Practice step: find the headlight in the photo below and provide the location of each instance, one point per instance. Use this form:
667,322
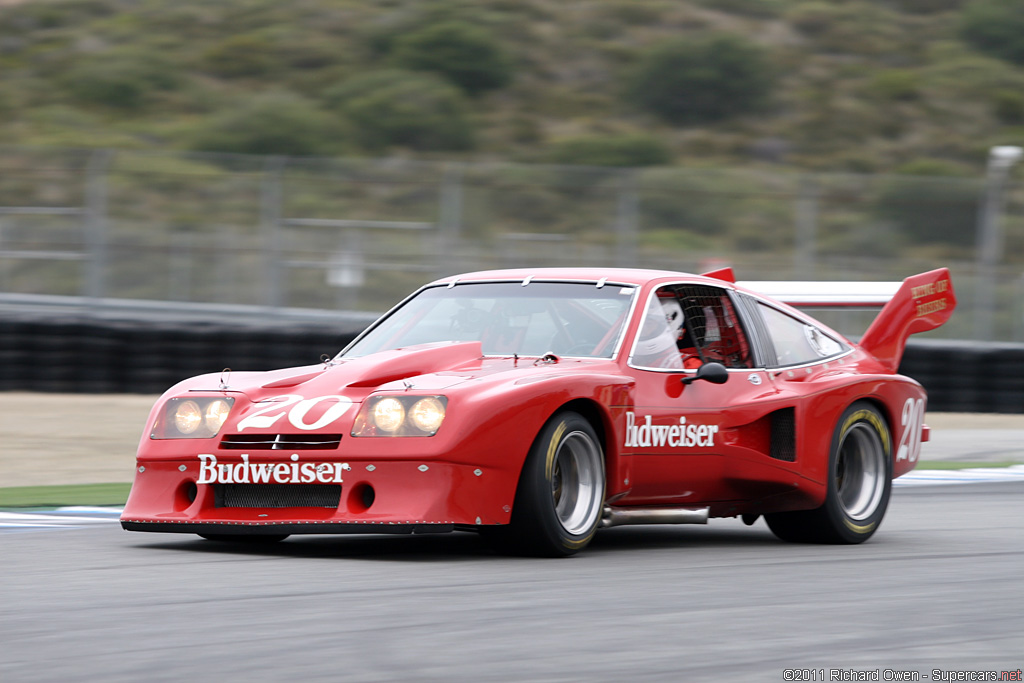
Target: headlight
215,414
427,414
192,418
400,416
388,414
187,417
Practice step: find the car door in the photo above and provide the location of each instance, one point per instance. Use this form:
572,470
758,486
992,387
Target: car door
688,443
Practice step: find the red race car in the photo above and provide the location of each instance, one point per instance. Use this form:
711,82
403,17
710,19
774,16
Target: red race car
537,406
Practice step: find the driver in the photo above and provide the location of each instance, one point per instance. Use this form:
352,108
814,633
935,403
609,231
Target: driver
663,327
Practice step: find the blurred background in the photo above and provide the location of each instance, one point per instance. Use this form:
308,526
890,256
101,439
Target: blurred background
306,165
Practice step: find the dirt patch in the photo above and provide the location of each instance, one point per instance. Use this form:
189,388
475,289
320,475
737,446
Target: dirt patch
70,438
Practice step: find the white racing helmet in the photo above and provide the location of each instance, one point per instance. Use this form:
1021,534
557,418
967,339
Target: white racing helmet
663,325
673,316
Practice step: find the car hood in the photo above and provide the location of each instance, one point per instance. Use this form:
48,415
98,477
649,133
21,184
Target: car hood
426,368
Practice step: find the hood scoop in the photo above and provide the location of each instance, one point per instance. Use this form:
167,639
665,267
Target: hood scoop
294,380
392,366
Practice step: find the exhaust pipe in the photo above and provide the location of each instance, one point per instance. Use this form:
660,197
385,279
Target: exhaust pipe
623,516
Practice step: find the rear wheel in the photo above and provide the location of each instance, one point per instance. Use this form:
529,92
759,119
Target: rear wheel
561,491
859,483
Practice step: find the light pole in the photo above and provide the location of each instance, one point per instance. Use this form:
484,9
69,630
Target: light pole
1000,160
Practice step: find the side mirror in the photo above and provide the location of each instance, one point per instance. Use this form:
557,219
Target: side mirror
710,372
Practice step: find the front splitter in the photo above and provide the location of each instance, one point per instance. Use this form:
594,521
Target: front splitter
277,528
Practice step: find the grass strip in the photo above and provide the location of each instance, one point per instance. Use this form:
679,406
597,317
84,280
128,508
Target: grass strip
55,496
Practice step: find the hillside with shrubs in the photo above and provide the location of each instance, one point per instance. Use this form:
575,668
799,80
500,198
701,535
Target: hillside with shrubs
851,86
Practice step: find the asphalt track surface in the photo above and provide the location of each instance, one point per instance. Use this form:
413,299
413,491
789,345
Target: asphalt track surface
940,586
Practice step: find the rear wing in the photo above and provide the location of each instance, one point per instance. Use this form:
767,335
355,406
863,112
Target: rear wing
918,304
826,294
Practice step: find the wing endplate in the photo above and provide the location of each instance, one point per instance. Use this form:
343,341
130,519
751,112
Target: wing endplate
923,302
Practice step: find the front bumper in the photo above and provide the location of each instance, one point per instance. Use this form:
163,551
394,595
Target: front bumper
393,496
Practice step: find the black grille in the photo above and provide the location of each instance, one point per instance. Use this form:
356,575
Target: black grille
280,442
784,435
277,495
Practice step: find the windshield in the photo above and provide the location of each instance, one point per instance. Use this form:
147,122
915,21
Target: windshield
565,318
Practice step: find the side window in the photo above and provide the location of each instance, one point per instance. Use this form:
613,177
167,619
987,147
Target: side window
796,341
686,326
713,326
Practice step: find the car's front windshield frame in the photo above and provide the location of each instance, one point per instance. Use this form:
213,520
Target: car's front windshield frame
592,302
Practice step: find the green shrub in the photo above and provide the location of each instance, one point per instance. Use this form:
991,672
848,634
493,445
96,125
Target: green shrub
958,73
1008,106
303,52
634,12
895,84
705,202
815,18
751,8
273,123
995,27
612,150
931,168
240,56
929,6
467,55
849,28
929,205
50,15
701,81
120,79
400,108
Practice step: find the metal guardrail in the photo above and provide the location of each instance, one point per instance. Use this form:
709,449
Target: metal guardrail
141,312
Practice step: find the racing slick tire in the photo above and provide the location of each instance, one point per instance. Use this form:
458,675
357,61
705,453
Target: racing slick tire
859,482
561,491
256,539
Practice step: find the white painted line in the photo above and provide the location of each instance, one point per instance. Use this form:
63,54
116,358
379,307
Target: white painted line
44,517
972,475
91,510
61,518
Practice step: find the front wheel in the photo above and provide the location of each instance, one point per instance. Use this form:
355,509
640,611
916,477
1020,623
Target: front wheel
561,491
859,483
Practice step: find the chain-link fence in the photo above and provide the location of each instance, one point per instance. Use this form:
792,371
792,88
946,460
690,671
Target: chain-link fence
358,235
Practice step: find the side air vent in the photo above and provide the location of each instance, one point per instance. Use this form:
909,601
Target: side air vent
784,435
280,442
